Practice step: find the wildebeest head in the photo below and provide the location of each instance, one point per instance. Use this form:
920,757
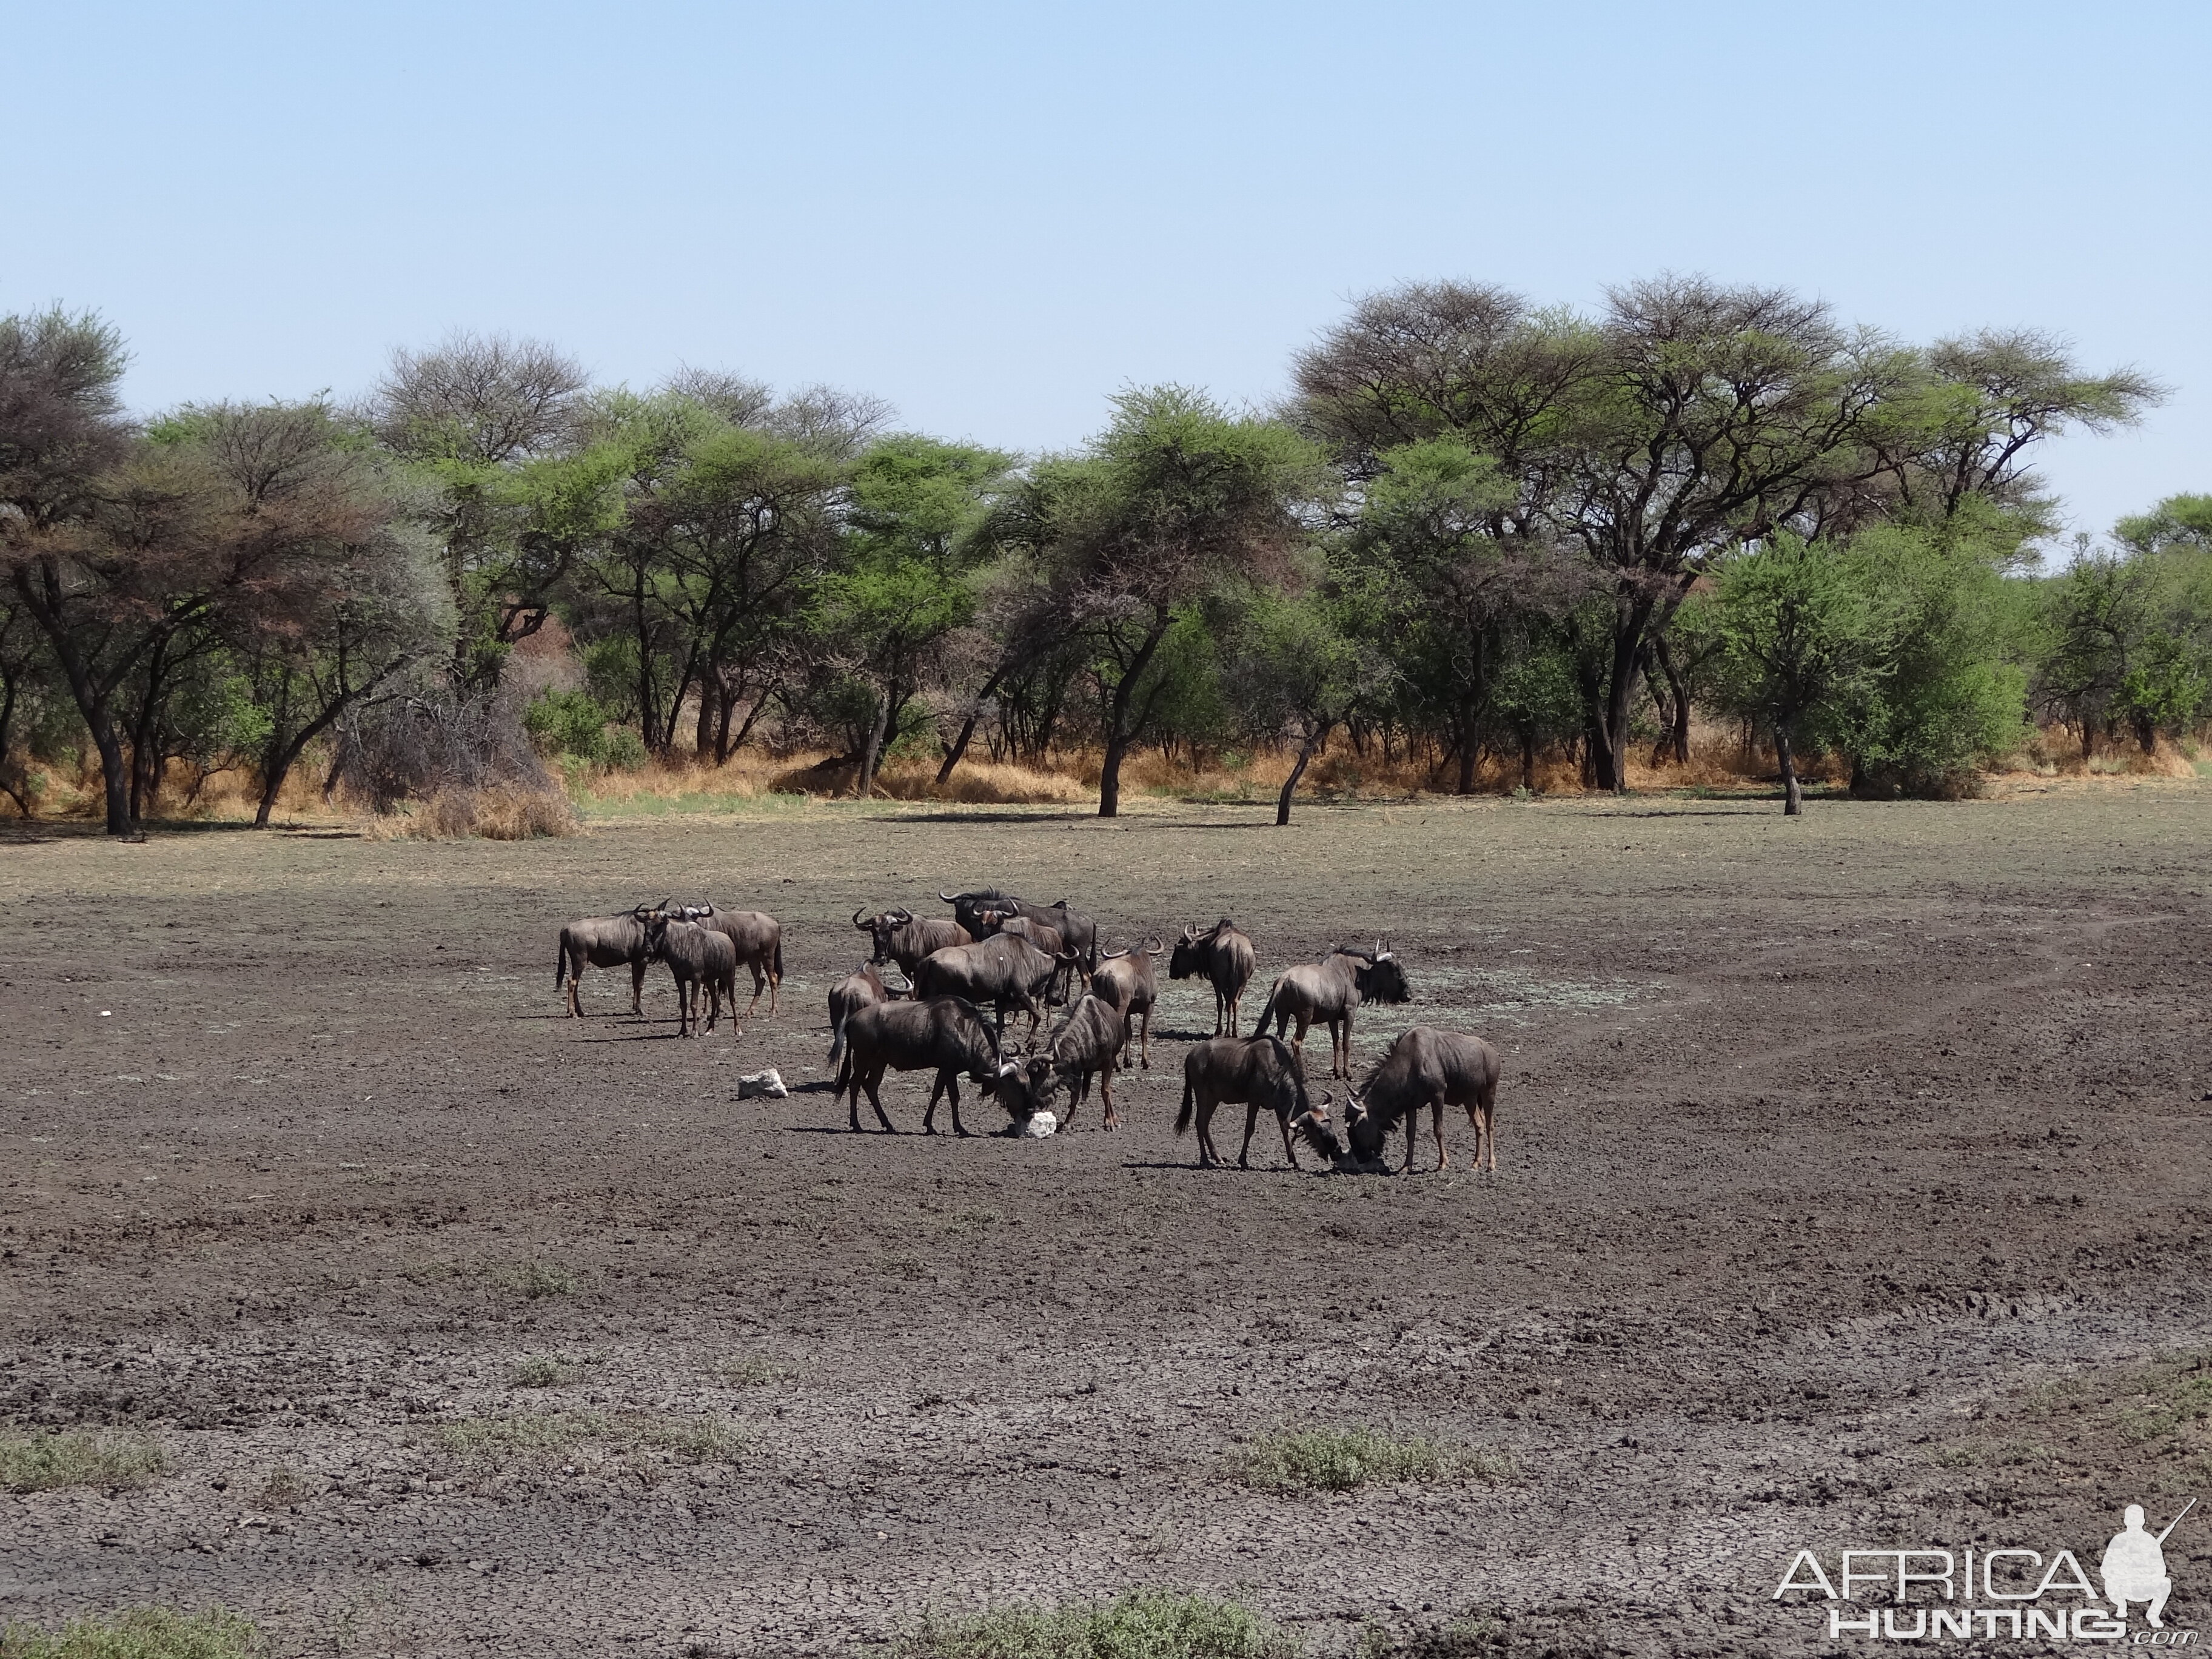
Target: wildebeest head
1312,1126
1021,1083
1365,1130
1189,957
881,927
1381,979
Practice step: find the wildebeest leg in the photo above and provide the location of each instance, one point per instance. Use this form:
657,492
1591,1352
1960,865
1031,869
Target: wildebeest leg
1106,1093
1486,1128
1437,1128
1251,1122
1147,1050
775,987
1207,1157
952,1087
1297,1041
872,1080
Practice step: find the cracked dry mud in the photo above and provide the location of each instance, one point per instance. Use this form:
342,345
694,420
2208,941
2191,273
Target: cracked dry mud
1853,1170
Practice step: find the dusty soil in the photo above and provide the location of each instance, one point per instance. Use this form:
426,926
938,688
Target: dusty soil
1856,1192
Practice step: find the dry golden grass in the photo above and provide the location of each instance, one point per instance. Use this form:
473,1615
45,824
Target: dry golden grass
509,813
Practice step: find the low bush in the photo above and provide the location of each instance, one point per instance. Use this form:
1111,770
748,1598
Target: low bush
141,1633
46,1462
1339,1460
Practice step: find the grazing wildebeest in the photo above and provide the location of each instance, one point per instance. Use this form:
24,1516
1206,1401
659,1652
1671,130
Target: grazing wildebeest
1435,1069
603,942
1077,931
1129,980
757,937
1325,993
864,988
941,1034
1257,1072
1223,954
1082,1047
902,938
1312,1126
1003,970
698,956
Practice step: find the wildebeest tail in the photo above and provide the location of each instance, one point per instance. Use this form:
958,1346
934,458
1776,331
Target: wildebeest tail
1189,1109
560,962
836,1039
845,1076
779,958
1266,1010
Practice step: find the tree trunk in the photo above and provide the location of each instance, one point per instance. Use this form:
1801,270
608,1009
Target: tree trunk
1793,794
1682,695
1117,731
1468,755
44,603
2088,739
1610,734
144,748
968,726
1306,752
8,686
1528,758
865,784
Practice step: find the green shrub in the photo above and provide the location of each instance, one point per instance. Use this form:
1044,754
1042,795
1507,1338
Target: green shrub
42,1463
141,1633
1339,1459
1142,1625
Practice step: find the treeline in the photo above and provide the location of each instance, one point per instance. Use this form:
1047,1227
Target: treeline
1477,533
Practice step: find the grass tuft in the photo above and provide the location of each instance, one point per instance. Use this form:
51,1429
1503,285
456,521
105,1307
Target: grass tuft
544,1370
1339,1460
46,1462
528,1439
1142,1625
141,1633
531,1280
749,1372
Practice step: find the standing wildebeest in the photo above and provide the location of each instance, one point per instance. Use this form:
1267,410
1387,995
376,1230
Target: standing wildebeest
603,942
1223,954
1326,991
1127,979
757,938
1044,936
1255,1072
697,956
1005,968
1077,931
863,988
1082,1047
901,937
941,1034
1435,1069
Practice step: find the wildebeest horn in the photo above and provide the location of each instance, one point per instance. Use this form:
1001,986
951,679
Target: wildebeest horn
953,898
901,915
858,923
1154,945
1189,931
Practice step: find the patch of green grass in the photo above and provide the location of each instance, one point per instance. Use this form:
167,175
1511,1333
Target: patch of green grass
1339,1460
545,1370
1142,1625
43,1462
749,1372
532,1279
526,1438
141,1633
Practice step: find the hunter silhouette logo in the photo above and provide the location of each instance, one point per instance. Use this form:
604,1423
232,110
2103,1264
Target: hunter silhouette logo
1915,1595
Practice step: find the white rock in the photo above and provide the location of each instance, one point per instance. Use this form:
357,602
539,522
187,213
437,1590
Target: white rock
762,1085
1039,1126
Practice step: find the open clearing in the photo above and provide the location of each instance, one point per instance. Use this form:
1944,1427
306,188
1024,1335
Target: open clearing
1856,1190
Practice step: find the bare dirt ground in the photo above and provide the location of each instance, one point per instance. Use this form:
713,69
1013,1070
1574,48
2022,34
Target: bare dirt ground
1856,1191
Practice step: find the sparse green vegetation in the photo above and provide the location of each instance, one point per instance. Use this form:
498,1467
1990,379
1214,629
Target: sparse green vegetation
141,1633
749,1372
545,1370
1339,1460
1142,1625
524,1438
532,1279
42,1463
284,1487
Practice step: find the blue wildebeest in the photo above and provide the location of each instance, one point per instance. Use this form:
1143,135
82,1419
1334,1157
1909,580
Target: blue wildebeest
1003,970
603,942
864,988
1257,1072
1326,991
757,938
902,937
1077,931
698,957
1129,980
1223,954
1432,1069
1082,1047
944,1034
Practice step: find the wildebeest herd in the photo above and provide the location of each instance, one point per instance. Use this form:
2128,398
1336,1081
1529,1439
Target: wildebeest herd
935,994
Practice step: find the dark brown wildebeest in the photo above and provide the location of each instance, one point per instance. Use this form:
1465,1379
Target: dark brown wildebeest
1003,970
1435,1069
941,1034
757,938
603,942
1223,954
1326,991
1044,936
698,956
1257,1072
1129,980
1082,1047
864,988
1312,1126
902,938
1077,931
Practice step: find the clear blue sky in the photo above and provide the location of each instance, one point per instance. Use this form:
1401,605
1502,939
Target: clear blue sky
995,215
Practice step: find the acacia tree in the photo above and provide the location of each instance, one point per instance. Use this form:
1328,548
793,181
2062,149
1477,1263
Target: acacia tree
1295,676
1175,499
900,585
